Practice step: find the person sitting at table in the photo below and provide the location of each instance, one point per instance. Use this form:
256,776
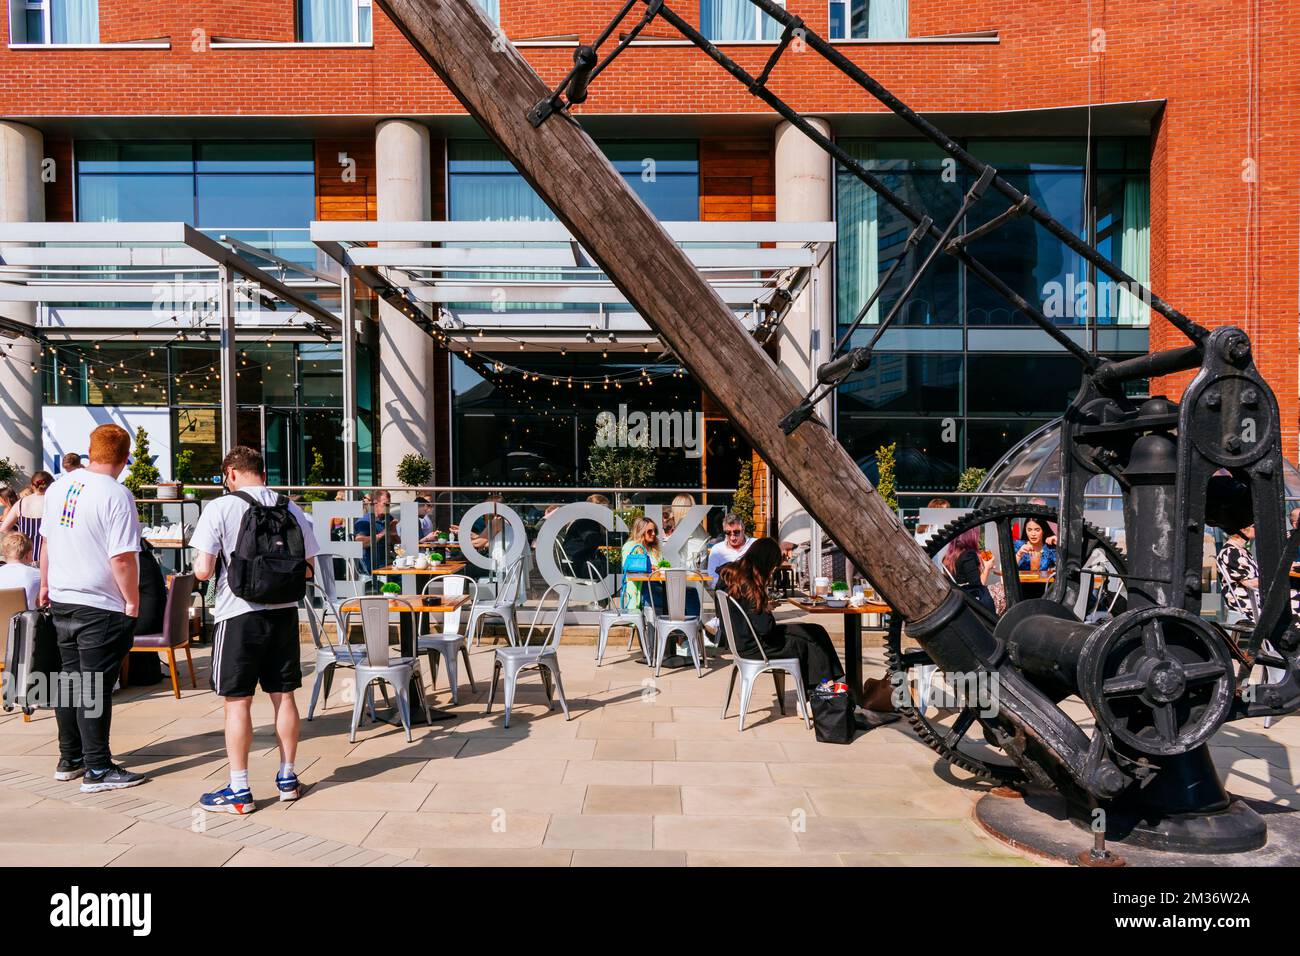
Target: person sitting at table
1034,553
18,570
377,535
746,581
733,545
641,555
967,567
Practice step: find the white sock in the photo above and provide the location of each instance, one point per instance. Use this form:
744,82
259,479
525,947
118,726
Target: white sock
286,769
239,780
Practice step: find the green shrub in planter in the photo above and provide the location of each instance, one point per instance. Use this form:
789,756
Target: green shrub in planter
392,587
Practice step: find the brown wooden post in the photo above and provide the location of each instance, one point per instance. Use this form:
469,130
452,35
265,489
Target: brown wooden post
498,88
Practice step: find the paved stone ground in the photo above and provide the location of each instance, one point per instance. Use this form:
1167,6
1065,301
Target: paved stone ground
644,774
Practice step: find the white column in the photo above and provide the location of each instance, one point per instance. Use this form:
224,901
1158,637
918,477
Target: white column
805,178
406,401
22,199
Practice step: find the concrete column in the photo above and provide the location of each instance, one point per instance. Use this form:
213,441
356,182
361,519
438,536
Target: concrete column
22,199
406,401
805,180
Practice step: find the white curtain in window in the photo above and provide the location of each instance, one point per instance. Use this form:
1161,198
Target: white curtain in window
74,21
887,19
492,8
327,21
1135,249
730,20
859,244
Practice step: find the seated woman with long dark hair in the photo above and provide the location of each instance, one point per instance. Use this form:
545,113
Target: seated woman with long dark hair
746,580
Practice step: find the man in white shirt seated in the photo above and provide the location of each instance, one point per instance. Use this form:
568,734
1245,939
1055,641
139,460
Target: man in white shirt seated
734,543
18,572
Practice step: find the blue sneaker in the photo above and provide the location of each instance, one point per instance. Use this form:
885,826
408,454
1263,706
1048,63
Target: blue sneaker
226,800
289,787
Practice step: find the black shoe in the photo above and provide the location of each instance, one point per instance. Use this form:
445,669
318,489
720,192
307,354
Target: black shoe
114,778
69,769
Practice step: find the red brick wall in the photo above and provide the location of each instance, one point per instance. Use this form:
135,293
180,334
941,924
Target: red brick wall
1224,250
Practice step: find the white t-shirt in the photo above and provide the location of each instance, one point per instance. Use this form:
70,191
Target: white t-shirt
15,574
723,553
89,518
217,533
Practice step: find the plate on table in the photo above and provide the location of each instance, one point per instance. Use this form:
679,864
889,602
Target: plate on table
836,602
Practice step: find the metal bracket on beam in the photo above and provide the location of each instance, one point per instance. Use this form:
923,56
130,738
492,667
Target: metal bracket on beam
957,243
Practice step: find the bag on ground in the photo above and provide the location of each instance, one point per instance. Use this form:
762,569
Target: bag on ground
832,716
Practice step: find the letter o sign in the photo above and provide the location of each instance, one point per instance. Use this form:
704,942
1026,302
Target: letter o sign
518,534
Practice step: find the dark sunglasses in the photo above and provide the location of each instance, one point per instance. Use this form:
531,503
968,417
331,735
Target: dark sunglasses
734,531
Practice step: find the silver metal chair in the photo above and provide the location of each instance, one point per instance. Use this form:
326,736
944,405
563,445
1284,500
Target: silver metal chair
544,656
329,654
676,620
749,669
500,605
612,616
381,667
449,641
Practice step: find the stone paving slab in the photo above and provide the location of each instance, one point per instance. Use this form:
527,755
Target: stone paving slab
645,774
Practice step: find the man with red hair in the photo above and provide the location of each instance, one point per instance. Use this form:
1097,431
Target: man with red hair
90,576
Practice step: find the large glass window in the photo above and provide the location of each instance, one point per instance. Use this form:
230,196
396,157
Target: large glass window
485,187
868,19
55,21
946,409
873,234
516,429
733,21
212,185
1021,253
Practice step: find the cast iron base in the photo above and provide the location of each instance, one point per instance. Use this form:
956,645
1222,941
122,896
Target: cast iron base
1041,824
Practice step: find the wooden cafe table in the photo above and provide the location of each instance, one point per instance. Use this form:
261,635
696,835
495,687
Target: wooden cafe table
406,607
852,635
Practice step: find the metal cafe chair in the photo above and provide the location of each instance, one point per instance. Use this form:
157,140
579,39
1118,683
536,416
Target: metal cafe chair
448,642
329,654
749,669
381,667
544,656
501,605
675,620
613,615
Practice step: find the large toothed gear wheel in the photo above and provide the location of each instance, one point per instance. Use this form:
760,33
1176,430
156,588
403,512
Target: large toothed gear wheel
961,736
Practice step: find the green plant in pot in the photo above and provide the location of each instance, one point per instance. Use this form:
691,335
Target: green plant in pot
665,563
414,470
392,587
840,590
435,557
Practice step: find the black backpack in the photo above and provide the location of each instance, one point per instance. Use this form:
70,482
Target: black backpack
269,563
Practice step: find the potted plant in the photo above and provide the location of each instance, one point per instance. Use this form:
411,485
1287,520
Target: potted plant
414,470
144,472
435,558
840,590
392,587
665,563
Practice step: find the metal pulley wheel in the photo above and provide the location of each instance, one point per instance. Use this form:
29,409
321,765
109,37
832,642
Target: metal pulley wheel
1160,680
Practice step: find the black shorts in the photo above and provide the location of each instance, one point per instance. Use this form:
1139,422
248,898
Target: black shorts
260,647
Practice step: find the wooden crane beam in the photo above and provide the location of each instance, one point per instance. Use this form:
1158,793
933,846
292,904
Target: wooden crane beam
498,88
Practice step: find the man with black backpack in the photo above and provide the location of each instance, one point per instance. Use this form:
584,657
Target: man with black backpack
260,546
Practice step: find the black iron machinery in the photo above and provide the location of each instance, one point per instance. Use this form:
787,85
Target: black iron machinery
1158,678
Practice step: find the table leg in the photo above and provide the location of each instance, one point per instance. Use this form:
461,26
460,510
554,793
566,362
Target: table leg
853,656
